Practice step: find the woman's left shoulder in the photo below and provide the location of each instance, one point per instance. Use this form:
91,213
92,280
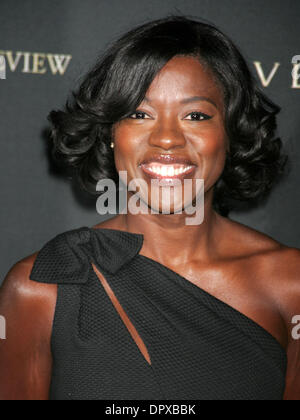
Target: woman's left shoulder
284,287
278,270
255,243
284,274
274,266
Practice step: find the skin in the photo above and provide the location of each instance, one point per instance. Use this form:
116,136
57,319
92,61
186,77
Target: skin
244,268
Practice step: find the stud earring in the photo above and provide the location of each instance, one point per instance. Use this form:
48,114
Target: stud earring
112,144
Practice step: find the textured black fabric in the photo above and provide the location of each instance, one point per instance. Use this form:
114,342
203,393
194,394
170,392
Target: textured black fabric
200,347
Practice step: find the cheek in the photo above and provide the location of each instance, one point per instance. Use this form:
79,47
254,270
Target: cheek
211,144
211,150
125,150
123,144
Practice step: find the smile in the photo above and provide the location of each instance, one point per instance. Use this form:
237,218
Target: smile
160,171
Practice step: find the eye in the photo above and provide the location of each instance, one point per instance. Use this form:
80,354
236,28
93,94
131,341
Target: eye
197,116
139,115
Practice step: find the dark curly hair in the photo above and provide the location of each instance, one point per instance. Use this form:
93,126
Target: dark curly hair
118,82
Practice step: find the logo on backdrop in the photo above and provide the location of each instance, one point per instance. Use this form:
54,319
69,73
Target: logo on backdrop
33,63
57,64
267,78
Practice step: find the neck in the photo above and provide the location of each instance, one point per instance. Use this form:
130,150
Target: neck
167,237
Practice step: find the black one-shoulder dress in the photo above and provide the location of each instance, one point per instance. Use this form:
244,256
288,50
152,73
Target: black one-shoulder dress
200,347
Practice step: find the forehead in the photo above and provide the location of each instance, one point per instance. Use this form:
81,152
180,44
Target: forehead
184,77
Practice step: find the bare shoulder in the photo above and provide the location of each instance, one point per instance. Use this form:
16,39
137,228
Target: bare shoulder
281,280
21,295
18,279
246,240
25,353
274,266
283,269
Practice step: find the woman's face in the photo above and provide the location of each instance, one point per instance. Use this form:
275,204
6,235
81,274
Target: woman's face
176,133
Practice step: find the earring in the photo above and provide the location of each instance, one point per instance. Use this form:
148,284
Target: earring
112,144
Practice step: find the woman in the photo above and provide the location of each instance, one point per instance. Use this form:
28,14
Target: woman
147,306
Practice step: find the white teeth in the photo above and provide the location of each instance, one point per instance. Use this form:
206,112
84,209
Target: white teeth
171,171
167,170
164,171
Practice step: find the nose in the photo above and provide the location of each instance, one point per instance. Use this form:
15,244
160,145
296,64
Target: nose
167,135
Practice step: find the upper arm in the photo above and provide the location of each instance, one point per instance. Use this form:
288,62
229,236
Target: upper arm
25,354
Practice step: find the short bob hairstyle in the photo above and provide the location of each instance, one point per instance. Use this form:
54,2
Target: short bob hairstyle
118,82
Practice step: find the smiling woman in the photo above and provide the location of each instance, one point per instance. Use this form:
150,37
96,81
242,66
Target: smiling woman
143,306
82,135
183,113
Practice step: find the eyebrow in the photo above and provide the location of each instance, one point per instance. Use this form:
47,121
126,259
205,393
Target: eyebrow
192,99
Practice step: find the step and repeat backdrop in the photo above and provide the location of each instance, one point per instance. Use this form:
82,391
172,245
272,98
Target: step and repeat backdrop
46,46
